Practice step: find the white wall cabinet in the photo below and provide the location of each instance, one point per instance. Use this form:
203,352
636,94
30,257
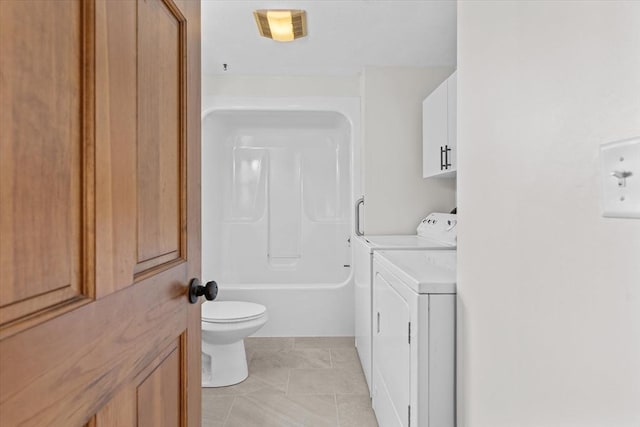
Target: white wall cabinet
439,131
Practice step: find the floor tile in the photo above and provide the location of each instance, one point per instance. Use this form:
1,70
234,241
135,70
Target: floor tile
355,411
292,359
283,411
271,343
346,358
252,385
324,342
277,377
215,409
323,381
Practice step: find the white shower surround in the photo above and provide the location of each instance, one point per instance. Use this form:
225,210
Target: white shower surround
304,296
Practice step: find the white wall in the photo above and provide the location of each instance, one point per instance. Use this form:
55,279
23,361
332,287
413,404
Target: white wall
549,291
396,195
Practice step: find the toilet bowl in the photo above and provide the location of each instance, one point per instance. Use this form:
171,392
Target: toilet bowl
225,325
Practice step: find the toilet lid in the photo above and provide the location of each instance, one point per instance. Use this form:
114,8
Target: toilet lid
231,311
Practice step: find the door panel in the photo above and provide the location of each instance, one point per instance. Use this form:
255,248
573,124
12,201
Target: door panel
112,201
159,397
116,139
155,397
120,411
41,141
160,134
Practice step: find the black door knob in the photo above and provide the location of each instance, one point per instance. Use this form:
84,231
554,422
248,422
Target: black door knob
210,290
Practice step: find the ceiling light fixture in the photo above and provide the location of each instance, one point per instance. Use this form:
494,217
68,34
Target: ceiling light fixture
282,25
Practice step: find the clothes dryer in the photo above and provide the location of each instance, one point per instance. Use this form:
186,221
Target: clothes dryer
438,231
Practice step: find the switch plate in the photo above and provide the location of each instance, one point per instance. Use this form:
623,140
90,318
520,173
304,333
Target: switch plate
620,178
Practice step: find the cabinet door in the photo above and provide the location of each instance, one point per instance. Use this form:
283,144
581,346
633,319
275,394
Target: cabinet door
452,104
434,131
392,371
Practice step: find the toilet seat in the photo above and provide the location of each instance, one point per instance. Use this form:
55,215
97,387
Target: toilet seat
231,311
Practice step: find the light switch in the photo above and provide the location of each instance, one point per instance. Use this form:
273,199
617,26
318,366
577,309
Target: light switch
620,176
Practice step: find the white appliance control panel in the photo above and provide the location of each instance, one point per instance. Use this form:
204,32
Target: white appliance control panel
440,227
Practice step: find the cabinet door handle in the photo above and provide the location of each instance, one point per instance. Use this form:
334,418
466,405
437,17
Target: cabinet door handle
447,163
378,327
442,157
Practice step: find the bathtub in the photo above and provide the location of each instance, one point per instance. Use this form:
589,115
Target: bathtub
280,177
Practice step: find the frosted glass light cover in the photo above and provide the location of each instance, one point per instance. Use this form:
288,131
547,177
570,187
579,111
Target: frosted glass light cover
282,25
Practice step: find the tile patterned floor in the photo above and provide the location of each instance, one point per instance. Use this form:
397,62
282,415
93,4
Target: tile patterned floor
294,382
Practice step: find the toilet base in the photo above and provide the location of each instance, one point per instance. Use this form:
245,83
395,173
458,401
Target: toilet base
223,364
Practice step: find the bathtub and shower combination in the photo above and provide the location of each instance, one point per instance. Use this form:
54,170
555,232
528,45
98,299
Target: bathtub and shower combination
280,177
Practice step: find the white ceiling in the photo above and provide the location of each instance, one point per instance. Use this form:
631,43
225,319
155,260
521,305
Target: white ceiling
343,36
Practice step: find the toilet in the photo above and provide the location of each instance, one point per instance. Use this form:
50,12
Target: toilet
225,325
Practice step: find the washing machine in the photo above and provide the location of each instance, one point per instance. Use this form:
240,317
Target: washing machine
437,231
414,306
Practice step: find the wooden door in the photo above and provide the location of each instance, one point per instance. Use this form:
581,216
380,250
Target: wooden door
99,212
